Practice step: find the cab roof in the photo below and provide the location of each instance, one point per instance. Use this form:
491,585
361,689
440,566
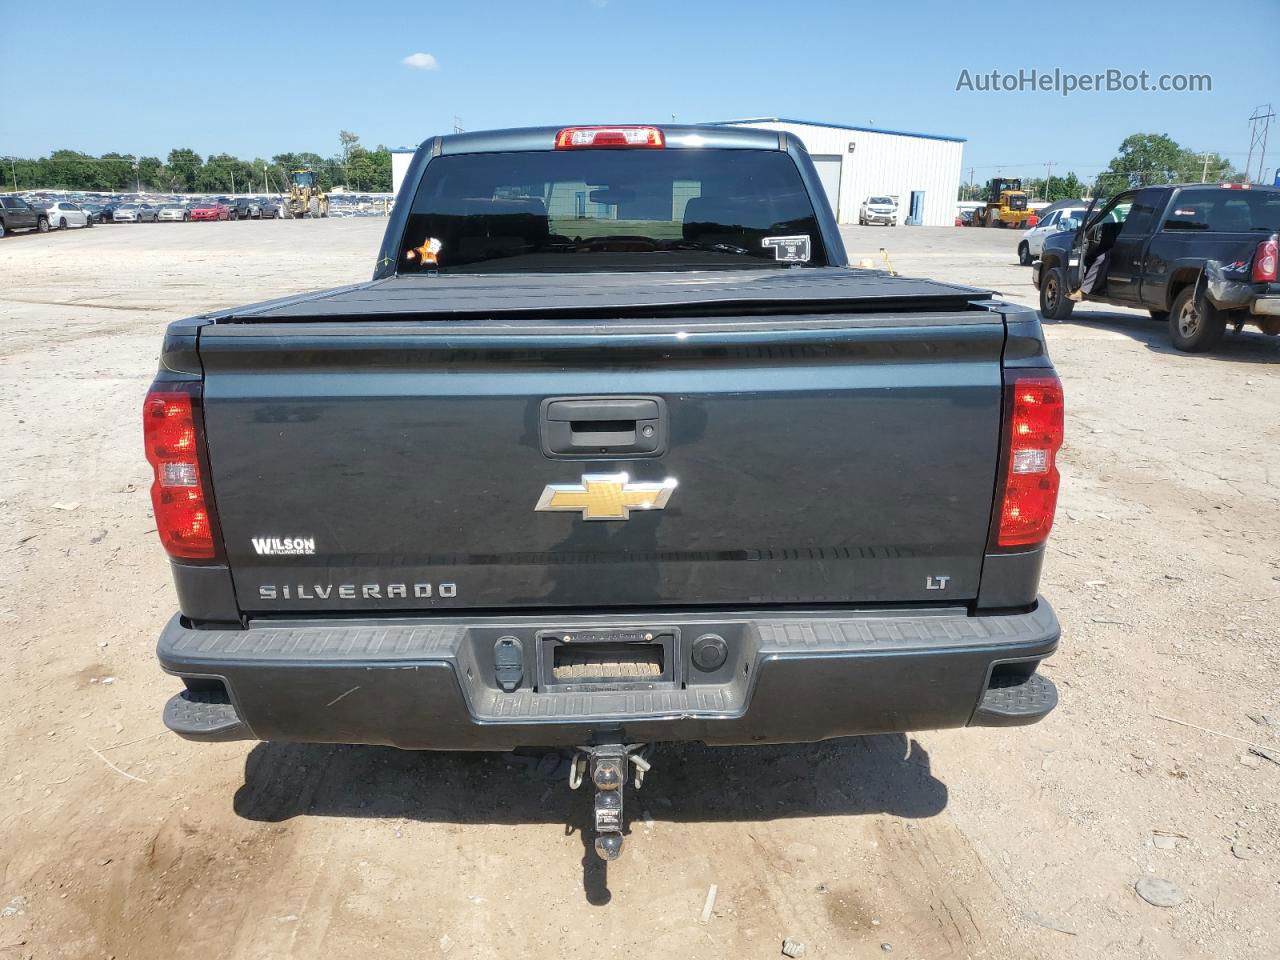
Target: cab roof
677,136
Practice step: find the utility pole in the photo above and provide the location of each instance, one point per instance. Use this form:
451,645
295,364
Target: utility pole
971,185
13,170
457,124
1259,124
1048,175
1204,174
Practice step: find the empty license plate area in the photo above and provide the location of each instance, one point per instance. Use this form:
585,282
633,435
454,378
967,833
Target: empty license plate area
643,659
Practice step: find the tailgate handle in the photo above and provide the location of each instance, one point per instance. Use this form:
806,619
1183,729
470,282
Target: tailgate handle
594,427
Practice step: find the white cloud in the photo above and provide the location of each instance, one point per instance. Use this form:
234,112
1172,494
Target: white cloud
421,61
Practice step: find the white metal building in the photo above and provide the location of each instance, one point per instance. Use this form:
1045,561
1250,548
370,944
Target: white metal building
400,157
921,169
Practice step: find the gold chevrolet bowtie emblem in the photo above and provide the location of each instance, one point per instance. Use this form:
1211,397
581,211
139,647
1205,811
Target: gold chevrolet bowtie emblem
606,496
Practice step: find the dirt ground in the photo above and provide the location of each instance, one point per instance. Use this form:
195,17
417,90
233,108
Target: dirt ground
120,840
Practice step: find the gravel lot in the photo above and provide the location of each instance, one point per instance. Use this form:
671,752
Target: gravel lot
119,840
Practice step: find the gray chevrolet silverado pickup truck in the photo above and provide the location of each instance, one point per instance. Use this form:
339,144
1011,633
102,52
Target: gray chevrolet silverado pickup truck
613,450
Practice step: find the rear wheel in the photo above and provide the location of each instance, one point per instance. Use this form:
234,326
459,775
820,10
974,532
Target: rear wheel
43,224
1194,325
1054,304
1024,254
62,223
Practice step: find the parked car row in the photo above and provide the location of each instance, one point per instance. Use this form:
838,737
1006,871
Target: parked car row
44,212
41,214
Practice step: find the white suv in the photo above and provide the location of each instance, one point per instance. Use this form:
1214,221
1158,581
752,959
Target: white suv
878,210
1032,243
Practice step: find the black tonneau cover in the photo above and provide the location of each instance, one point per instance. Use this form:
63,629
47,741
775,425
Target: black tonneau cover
572,295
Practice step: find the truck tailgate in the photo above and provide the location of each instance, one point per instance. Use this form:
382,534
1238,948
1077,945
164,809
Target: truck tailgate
825,459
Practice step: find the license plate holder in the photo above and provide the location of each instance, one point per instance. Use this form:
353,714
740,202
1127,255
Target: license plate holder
602,658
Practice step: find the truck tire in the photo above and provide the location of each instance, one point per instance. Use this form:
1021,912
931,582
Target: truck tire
3,232
1054,304
1024,254
42,225
1195,326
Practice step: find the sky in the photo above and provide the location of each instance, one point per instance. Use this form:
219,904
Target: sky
259,78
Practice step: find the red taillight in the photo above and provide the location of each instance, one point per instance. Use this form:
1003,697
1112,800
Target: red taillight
1264,261
1030,489
572,138
184,518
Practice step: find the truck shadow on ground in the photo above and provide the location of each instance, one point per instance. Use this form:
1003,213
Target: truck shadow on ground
1248,346
689,783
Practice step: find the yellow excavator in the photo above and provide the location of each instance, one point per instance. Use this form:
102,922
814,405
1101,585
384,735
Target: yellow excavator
1006,206
306,198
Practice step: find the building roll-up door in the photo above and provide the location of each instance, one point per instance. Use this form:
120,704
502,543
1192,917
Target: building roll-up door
829,173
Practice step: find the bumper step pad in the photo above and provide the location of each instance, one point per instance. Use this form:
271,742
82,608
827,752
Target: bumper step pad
1014,701
207,717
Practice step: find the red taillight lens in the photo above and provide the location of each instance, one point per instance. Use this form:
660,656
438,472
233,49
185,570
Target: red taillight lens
184,518
1030,493
1264,261
573,138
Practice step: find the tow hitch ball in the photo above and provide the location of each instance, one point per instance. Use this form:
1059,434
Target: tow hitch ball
608,765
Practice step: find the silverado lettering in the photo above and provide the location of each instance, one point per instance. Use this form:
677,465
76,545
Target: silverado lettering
350,591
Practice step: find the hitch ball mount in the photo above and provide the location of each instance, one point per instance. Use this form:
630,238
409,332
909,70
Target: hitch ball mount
607,765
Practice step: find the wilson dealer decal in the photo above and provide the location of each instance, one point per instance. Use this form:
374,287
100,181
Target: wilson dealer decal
284,546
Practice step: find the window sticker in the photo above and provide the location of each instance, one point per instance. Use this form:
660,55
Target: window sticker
428,253
789,249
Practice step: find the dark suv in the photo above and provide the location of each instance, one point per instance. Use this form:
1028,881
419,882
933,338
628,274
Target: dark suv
17,214
239,207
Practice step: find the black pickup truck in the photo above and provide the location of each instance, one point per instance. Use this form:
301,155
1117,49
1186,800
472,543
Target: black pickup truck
17,214
1200,256
613,450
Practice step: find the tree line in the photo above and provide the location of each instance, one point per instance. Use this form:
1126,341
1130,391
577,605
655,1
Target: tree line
183,170
1143,160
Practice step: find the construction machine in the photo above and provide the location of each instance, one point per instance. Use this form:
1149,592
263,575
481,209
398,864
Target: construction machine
306,198
1006,206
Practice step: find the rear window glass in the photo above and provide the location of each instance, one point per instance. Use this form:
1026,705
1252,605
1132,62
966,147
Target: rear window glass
574,210
1225,211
